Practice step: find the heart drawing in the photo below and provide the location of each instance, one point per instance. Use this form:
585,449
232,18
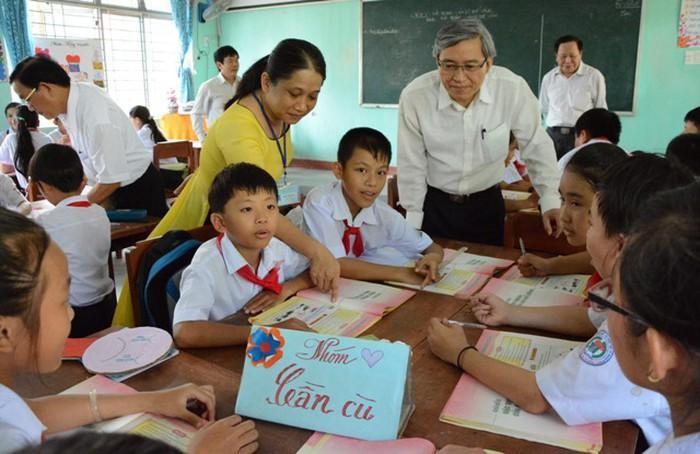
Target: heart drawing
370,357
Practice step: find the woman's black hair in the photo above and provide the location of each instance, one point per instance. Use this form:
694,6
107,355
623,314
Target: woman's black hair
32,71
627,185
26,121
94,442
23,245
289,56
592,161
143,114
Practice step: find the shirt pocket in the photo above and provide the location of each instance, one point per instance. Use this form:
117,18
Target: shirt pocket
581,99
495,143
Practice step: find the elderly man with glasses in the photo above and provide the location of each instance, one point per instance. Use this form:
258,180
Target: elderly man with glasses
453,135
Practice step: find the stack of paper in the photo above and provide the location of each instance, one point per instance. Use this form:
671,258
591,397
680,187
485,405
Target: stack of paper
359,306
476,406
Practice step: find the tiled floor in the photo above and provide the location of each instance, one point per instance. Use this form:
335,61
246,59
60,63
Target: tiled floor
305,178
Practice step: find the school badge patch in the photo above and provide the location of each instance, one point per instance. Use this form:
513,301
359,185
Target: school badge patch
598,350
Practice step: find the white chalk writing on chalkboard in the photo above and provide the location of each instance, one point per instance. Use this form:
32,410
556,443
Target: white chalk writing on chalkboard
451,15
625,4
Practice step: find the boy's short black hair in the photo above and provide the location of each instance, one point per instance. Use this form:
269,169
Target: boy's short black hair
693,116
11,105
684,150
627,185
366,138
57,165
223,52
567,39
239,177
93,442
600,122
593,160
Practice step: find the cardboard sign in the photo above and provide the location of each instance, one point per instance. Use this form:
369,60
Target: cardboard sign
340,385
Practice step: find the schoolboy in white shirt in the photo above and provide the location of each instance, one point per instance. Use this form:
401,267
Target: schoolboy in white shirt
357,228
82,230
244,268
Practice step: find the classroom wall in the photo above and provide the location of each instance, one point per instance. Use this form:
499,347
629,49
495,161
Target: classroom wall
666,87
4,99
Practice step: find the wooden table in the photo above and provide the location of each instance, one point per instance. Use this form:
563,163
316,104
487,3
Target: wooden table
433,379
125,234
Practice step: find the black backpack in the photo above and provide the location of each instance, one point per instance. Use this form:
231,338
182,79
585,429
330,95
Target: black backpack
158,277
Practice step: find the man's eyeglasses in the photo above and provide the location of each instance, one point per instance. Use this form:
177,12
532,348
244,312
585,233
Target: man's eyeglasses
28,99
452,68
600,297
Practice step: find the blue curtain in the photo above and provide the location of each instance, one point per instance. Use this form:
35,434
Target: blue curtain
14,23
182,15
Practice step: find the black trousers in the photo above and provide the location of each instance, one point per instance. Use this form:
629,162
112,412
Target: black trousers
477,218
563,137
145,193
93,318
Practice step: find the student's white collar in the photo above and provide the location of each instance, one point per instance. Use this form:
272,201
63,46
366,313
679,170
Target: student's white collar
484,95
233,260
341,211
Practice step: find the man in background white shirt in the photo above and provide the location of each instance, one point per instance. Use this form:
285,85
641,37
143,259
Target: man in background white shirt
453,135
568,90
217,91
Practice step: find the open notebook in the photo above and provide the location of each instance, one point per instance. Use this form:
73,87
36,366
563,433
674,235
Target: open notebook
359,306
524,295
475,406
567,283
321,443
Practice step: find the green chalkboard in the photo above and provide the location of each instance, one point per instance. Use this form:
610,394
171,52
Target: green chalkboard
398,35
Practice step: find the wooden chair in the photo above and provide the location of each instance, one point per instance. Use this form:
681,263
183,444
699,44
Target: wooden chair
181,149
528,226
392,194
134,256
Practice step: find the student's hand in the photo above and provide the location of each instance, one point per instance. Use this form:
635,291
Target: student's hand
173,402
446,340
532,265
490,309
552,223
263,301
295,324
230,434
456,449
409,276
428,266
325,271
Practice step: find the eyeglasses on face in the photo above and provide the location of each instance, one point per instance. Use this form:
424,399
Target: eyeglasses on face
28,99
600,294
451,67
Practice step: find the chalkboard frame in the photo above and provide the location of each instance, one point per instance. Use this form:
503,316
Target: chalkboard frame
541,70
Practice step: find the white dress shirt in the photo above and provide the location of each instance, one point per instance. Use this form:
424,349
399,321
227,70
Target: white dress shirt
462,150
587,385
103,136
10,197
84,235
211,289
564,160
563,99
146,136
19,426
687,444
210,101
8,148
381,227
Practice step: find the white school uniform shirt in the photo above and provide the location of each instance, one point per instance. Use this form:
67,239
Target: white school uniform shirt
84,235
104,137
11,198
210,101
687,444
145,134
8,148
210,288
381,227
564,160
461,150
19,426
563,99
587,385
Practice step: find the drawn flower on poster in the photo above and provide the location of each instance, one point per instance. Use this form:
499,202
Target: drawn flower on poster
265,347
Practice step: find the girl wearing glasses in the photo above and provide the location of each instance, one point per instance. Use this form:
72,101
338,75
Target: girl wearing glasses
586,385
655,327
19,147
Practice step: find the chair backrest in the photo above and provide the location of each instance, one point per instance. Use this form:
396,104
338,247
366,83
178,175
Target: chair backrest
392,194
528,226
175,149
135,257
